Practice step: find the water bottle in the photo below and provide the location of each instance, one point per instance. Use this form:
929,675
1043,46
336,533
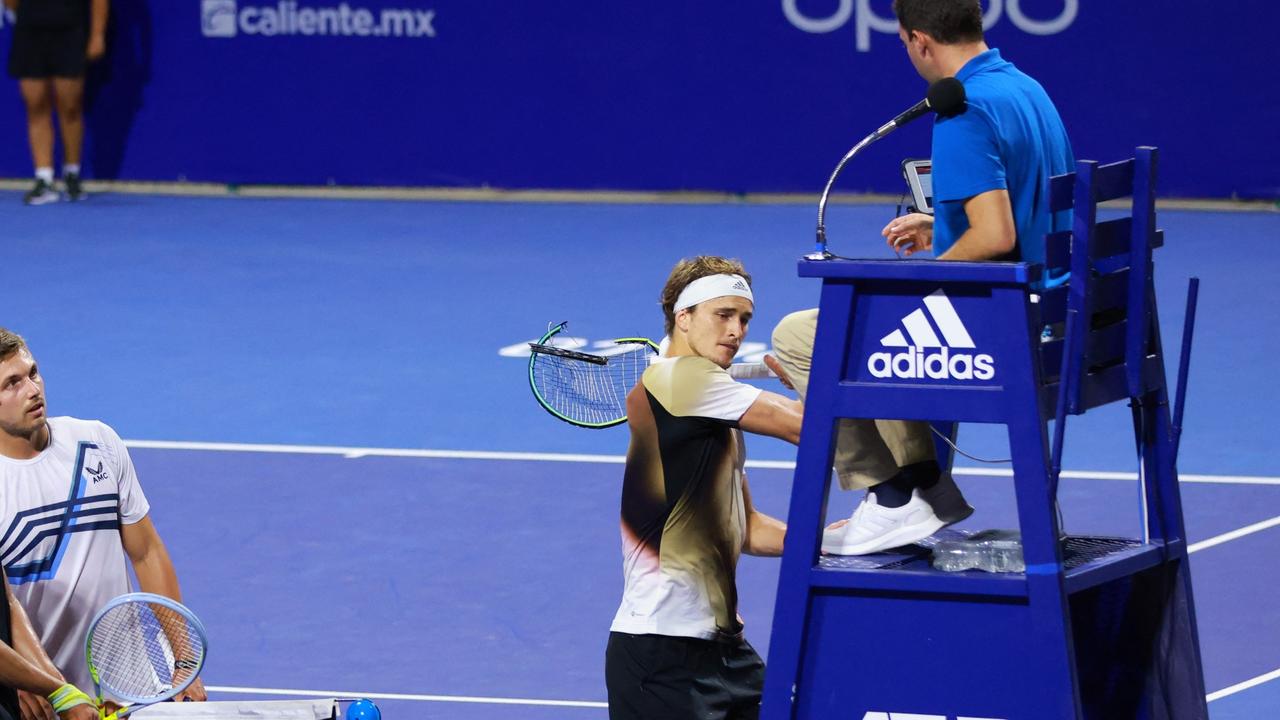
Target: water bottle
990,550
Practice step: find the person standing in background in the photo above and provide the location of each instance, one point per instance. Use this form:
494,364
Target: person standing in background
53,43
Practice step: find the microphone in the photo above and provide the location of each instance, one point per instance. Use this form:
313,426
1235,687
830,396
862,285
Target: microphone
945,97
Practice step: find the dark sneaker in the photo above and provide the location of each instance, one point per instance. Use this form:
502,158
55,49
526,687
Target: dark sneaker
75,191
945,499
42,193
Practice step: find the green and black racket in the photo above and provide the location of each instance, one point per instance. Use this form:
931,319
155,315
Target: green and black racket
587,389
590,389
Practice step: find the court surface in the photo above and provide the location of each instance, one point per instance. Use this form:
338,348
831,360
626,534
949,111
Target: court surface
362,497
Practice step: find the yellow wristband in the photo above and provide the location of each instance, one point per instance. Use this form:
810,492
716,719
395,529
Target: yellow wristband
67,696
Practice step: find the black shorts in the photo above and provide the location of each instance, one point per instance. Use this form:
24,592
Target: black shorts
41,52
660,677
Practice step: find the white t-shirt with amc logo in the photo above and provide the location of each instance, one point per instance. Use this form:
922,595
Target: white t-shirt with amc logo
60,515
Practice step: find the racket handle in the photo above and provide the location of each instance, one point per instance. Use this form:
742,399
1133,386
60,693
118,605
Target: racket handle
750,371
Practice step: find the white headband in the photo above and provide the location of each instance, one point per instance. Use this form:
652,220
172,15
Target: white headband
713,286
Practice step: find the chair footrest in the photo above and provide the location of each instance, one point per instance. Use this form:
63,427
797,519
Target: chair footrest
1087,561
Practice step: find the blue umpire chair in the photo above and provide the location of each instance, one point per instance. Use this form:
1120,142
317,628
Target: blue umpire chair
1097,628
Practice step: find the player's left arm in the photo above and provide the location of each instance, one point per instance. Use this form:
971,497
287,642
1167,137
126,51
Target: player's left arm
765,534
154,568
150,559
991,232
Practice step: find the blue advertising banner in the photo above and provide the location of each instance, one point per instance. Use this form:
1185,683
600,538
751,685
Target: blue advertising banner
664,95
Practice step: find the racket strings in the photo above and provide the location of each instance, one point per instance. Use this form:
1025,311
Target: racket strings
586,392
142,651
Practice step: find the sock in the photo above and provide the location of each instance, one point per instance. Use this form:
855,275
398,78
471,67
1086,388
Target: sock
45,174
923,475
70,169
896,491
891,494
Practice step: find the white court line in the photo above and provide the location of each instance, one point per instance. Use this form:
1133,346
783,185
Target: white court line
1234,534
1217,695
1224,692
1103,475
402,696
360,452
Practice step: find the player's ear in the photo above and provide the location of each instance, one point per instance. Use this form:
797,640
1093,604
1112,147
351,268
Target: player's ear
683,319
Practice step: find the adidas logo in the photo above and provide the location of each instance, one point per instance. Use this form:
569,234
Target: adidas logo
740,285
927,356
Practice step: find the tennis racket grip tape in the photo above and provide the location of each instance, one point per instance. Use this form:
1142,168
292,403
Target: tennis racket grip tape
66,697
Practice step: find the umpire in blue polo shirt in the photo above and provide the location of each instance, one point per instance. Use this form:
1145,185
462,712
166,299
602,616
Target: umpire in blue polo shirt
991,163
991,170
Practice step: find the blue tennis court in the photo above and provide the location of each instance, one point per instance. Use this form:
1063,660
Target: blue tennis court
362,497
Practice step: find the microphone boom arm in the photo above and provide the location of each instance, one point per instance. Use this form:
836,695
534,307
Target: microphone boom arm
946,97
820,249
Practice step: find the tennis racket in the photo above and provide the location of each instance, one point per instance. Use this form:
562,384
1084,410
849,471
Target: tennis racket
585,389
590,389
143,649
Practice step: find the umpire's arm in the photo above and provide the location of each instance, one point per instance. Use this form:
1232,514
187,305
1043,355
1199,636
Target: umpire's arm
992,232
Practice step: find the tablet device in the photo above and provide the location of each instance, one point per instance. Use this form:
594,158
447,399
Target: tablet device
918,174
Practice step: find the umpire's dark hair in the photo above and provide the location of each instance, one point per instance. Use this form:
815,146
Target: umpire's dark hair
947,21
10,343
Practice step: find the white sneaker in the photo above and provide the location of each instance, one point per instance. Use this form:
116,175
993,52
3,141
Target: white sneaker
874,527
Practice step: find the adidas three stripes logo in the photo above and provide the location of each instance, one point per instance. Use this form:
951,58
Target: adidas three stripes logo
924,354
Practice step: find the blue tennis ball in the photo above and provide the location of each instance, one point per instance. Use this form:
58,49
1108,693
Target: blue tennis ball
363,710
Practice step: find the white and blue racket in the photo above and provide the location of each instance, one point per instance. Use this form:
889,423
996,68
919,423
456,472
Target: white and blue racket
143,648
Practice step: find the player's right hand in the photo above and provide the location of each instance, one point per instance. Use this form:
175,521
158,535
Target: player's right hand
195,691
909,234
35,707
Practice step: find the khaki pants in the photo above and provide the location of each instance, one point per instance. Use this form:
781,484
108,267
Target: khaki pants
868,452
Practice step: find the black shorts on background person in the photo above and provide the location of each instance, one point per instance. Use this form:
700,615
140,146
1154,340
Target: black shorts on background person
39,52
